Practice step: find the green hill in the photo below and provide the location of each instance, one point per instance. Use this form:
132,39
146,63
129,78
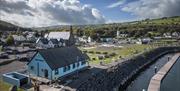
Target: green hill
5,26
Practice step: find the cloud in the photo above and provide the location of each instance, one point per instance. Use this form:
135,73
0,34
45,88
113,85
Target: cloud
40,13
113,5
153,8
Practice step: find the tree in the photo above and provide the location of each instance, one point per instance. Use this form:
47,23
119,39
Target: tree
148,35
10,40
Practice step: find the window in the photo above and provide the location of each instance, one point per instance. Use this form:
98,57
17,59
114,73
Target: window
64,69
84,62
32,67
69,67
38,60
74,65
77,64
56,71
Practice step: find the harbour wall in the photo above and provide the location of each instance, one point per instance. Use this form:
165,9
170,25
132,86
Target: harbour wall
118,77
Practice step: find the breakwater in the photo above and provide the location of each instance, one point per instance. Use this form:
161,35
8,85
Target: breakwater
118,77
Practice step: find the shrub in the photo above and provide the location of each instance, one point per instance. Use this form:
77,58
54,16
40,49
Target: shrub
112,54
100,57
93,58
10,40
106,56
105,52
91,51
98,52
85,51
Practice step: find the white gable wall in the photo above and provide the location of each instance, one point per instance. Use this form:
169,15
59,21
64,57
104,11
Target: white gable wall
39,65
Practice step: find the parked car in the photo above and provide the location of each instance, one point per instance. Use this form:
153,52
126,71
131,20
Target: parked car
3,55
6,49
15,51
9,52
32,46
24,59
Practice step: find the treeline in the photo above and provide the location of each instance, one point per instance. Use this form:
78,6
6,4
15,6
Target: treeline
131,30
136,29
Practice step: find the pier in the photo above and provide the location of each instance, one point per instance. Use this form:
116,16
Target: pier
156,80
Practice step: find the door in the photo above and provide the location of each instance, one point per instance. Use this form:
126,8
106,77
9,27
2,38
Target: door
37,69
46,73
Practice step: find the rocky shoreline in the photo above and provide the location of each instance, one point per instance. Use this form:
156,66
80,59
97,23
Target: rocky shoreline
118,77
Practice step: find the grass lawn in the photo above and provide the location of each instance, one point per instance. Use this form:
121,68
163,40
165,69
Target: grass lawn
167,42
5,86
124,52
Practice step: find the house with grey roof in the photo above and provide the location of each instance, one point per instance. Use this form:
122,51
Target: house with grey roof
57,63
18,39
42,43
53,43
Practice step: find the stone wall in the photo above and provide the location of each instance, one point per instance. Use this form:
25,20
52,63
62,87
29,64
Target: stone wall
119,76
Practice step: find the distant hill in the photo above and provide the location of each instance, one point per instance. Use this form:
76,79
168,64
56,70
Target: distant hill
165,21
5,26
175,20
161,21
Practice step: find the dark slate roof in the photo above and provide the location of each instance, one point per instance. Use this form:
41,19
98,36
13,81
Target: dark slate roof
44,40
60,57
54,41
61,40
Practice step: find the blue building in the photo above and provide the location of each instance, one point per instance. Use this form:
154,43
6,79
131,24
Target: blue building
57,62
16,79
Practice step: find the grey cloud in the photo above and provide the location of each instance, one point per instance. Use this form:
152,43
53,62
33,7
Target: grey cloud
153,8
17,7
38,13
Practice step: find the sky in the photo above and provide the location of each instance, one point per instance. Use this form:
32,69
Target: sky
43,13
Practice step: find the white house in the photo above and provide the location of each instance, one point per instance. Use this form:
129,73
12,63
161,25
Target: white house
57,62
67,37
121,35
144,41
167,35
89,40
176,34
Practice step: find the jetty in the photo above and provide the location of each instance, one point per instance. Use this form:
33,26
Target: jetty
156,80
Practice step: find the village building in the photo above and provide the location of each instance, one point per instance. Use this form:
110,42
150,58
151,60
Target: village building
42,43
56,63
176,34
66,37
89,40
18,39
53,43
31,37
167,35
106,38
144,41
121,35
